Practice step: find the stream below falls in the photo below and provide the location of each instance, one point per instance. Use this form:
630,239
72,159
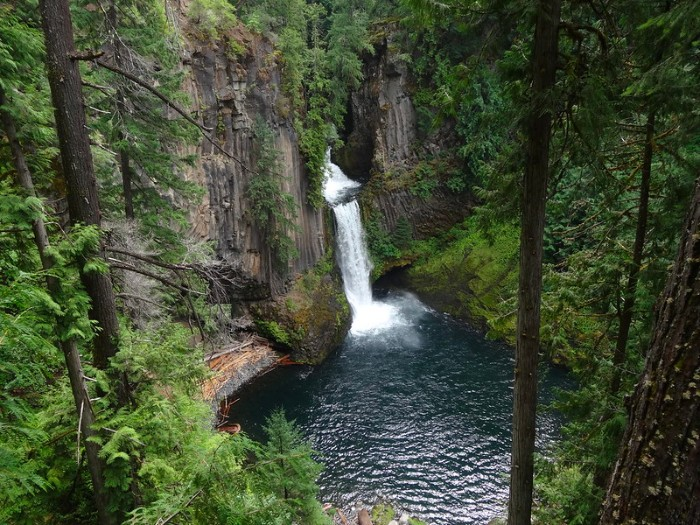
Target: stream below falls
416,411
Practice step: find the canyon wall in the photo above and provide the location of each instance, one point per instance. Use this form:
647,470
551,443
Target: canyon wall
234,82
228,93
382,144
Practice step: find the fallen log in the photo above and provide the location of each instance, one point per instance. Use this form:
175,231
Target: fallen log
234,428
342,517
230,350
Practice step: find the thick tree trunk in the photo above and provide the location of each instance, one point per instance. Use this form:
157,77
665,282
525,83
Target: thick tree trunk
531,234
76,157
657,475
636,264
69,347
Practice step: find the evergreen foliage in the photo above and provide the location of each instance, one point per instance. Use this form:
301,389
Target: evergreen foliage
619,65
286,469
144,179
319,45
273,209
161,458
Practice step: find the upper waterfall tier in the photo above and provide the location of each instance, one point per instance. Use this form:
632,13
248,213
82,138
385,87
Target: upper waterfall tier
337,187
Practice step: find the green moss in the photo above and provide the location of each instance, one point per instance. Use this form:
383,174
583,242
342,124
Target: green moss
272,330
313,317
471,275
382,514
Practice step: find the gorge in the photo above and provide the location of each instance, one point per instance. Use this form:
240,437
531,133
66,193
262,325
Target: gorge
412,409
520,175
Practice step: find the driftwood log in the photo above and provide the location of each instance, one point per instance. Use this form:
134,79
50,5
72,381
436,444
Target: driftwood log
363,518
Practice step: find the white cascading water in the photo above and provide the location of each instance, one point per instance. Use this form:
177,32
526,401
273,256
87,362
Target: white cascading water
353,257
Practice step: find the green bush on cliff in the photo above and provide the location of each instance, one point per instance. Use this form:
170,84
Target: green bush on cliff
272,208
212,17
472,275
379,242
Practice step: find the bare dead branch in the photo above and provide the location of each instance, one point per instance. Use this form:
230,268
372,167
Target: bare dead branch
116,263
87,55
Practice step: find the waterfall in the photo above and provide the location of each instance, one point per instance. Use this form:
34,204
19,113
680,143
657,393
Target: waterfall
352,254
353,257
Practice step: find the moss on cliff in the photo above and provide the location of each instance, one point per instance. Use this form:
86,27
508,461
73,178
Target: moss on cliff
311,319
471,276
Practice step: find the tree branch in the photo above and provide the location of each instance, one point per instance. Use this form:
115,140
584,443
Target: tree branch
203,129
575,29
116,263
189,502
87,55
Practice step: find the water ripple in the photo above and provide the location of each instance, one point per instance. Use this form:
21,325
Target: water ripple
418,415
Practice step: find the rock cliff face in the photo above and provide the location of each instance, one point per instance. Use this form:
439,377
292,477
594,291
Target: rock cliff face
383,144
382,119
228,93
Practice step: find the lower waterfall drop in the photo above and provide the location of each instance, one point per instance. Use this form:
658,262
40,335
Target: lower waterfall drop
353,257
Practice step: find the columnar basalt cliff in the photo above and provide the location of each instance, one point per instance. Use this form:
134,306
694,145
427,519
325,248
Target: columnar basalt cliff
382,119
383,143
228,93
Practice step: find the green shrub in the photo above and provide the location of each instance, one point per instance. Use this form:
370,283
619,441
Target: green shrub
212,17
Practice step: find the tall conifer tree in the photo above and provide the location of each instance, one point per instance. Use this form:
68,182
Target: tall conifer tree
76,157
533,199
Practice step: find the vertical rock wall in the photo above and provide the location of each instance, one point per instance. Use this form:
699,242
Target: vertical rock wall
382,145
228,92
382,120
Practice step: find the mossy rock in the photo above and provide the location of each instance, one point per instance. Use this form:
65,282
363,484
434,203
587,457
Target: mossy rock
471,277
310,320
383,513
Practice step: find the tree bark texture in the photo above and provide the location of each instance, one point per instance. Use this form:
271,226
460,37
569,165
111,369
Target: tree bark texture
533,202
69,347
76,158
636,264
657,475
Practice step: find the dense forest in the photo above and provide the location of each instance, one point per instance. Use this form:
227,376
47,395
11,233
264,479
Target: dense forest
530,168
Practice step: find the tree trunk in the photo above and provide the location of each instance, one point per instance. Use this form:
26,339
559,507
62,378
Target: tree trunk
636,264
69,347
530,285
124,164
74,142
126,171
657,475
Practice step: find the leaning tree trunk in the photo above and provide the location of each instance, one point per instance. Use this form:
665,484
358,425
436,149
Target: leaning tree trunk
533,201
657,475
636,263
69,346
74,142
